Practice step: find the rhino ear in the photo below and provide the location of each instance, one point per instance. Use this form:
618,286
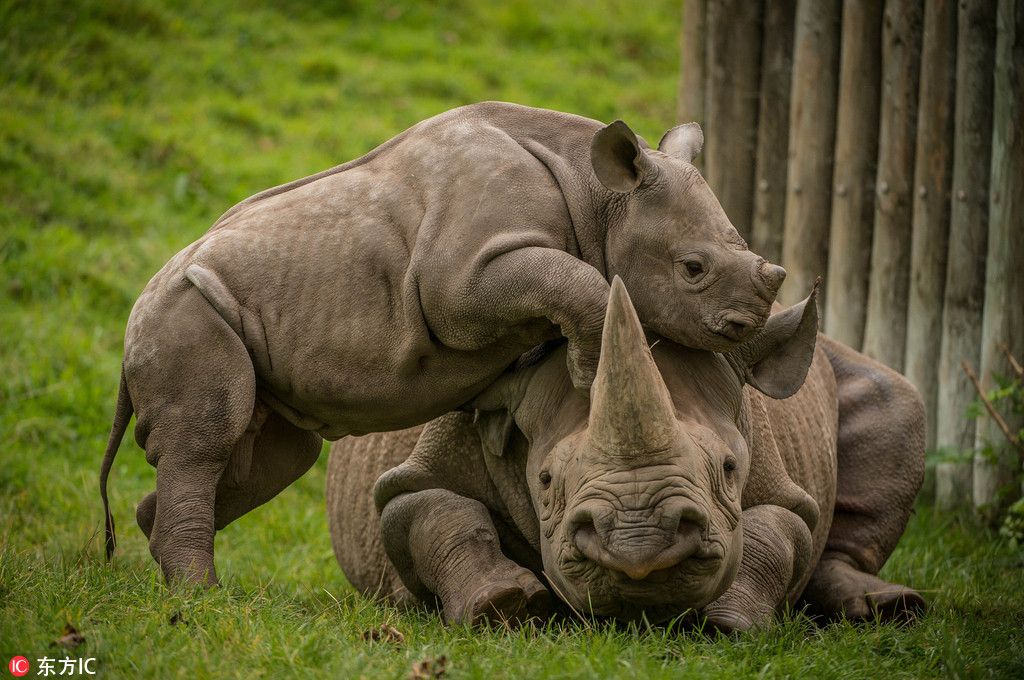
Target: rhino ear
495,430
775,362
494,409
683,142
618,159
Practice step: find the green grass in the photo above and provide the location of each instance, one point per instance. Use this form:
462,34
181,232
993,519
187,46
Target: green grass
126,128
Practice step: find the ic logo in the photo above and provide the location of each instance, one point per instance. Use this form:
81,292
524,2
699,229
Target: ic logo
19,666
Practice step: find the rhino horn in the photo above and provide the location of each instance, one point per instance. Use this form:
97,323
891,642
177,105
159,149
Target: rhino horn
631,411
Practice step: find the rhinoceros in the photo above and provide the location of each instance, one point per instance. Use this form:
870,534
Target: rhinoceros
393,288
690,481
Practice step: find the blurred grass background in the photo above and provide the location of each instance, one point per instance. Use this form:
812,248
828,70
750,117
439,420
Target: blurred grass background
126,128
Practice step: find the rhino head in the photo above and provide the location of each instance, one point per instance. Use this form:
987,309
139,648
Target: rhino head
637,491
669,239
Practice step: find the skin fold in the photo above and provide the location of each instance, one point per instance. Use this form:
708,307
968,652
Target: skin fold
677,486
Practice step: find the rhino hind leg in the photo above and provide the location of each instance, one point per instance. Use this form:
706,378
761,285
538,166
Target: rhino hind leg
840,590
446,545
354,465
280,454
193,385
880,451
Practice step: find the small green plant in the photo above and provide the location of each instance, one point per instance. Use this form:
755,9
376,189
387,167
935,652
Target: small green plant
1013,525
1007,397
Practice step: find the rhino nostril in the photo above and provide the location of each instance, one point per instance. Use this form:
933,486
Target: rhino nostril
638,553
688,539
772,276
691,513
586,540
735,328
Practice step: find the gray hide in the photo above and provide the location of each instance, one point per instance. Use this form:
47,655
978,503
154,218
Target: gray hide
394,288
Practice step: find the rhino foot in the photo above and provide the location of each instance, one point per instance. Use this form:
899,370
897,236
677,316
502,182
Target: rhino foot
727,621
840,590
510,601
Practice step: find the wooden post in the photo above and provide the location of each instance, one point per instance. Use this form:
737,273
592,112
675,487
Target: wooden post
1004,276
692,71
885,328
733,78
968,243
773,129
853,199
933,171
812,126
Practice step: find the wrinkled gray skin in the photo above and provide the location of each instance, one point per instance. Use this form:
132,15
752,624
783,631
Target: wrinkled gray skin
394,288
674,488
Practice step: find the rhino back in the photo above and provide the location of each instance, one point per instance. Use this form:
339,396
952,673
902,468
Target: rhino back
567,135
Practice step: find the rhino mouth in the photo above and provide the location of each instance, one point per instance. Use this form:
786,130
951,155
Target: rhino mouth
737,328
690,584
694,566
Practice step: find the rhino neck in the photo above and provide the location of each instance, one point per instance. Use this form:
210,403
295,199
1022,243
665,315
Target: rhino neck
561,142
569,165
508,475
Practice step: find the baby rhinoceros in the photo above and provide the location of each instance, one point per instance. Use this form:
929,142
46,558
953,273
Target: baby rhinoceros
394,288
673,488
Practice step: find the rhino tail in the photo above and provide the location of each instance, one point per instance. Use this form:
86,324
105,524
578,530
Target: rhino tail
122,416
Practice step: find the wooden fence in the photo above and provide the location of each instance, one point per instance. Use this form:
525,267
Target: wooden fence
881,146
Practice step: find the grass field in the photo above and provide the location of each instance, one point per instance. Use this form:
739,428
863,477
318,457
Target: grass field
126,128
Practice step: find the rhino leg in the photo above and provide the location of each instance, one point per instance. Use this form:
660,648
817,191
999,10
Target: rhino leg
838,588
516,285
445,545
880,452
279,454
145,514
776,553
193,386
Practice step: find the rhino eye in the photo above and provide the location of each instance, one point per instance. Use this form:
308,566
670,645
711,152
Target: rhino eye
545,478
693,268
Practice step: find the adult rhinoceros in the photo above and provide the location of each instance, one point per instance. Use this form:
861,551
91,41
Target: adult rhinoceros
673,487
392,289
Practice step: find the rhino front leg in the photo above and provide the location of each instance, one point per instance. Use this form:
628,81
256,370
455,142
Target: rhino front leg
776,553
516,287
445,545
